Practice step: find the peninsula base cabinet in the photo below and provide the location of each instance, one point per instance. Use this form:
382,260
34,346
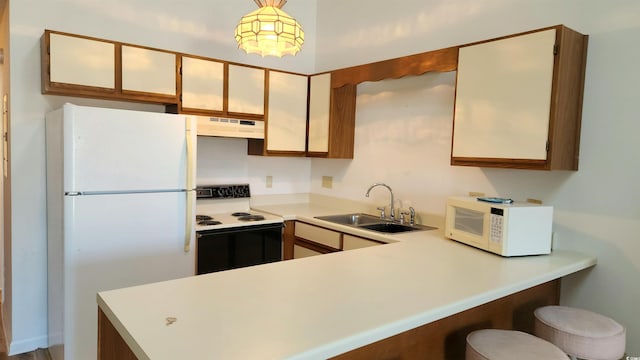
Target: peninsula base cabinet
519,101
446,338
438,340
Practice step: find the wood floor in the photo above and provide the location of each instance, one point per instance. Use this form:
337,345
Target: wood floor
40,354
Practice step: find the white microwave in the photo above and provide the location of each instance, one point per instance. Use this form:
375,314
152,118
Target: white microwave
515,229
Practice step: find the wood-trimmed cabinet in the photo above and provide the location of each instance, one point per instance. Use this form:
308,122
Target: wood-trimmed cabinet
319,111
304,239
203,85
286,121
149,72
246,90
75,65
213,87
315,116
332,125
519,101
330,122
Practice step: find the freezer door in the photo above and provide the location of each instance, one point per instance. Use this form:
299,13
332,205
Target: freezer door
116,241
115,150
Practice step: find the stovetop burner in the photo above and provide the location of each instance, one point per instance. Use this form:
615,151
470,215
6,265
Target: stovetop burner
203,217
240,213
209,222
251,218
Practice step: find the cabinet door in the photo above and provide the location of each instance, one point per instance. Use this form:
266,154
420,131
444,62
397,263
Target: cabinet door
287,112
202,84
350,242
81,61
319,102
503,97
148,71
246,90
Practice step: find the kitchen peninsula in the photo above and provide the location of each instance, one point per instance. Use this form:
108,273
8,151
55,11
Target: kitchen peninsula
341,304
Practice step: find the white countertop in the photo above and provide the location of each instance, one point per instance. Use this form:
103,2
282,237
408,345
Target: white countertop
322,306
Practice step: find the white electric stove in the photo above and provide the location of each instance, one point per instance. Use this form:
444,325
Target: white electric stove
228,206
229,234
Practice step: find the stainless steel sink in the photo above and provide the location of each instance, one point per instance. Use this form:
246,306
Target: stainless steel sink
373,223
351,219
391,227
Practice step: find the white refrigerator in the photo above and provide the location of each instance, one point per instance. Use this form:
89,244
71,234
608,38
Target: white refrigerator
120,203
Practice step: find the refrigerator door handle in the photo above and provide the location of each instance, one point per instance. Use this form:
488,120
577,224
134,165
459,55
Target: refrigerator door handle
189,222
190,186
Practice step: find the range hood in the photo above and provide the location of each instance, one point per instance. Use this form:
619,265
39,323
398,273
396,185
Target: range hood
226,127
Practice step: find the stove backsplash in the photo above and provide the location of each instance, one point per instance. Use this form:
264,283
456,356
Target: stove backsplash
229,191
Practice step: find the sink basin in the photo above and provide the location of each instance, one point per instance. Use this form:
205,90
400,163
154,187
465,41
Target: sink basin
351,219
388,227
373,223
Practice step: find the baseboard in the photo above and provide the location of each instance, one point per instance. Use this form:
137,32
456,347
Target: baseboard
26,345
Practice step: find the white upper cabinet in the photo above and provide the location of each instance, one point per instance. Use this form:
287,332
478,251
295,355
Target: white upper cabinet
319,110
287,116
503,97
81,61
246,90
518,101
202,84
148,71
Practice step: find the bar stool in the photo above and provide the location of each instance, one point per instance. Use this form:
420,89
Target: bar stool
581,333
494,344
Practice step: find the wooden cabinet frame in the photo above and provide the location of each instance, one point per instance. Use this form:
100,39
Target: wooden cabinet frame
180,109
344,82
446,338
54,88
566,102
565,112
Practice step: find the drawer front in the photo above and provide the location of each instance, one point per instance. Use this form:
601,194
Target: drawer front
301,251
318,235
350,242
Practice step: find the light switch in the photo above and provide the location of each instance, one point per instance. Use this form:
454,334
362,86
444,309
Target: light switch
269,181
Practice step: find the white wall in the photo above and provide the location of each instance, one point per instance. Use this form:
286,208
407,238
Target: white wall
225,161
403,140
196,27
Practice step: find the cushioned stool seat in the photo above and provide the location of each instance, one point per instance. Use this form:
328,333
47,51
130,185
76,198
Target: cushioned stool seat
492,344
581,333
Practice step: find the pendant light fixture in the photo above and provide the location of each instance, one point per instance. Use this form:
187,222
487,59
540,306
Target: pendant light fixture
269,31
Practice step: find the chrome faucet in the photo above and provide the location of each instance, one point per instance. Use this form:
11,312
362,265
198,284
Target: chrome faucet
392,214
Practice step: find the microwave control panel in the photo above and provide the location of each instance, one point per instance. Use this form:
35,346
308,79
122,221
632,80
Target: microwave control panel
496,225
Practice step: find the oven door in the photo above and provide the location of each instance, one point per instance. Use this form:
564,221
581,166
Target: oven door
236,247
468,224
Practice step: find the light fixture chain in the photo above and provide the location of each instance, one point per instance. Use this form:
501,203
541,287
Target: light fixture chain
275,3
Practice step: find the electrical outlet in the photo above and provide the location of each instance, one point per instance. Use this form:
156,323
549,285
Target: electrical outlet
269,181
327,182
